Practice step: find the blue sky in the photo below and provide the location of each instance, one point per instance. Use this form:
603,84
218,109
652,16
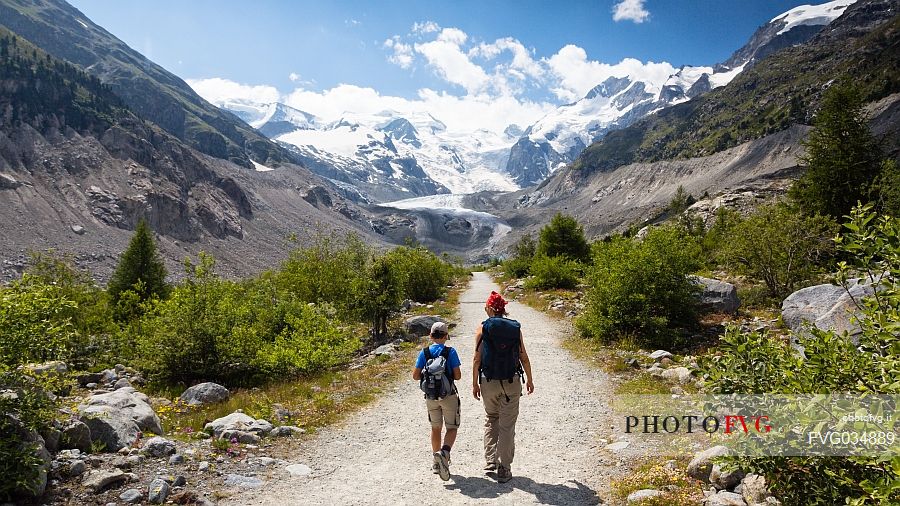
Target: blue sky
527,54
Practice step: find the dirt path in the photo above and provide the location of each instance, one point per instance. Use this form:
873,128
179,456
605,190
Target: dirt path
382,455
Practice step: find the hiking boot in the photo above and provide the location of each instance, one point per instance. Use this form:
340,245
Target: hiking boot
440,460
504,474
490,467
436,468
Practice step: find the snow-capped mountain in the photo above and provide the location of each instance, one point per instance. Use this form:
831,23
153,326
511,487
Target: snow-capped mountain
560,136
388,156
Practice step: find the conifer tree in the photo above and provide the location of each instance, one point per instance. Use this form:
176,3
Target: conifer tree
842,157
564,236
140,269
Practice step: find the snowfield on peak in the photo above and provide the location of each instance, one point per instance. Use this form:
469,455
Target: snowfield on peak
812,14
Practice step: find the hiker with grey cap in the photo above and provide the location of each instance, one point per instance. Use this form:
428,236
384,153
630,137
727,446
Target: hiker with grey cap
497,375
437,369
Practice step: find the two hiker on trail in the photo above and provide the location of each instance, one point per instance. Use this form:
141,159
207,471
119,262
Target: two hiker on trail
500,360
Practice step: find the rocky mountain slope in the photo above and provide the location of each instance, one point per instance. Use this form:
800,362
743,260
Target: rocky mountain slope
741,139
558,138
79,168
148,89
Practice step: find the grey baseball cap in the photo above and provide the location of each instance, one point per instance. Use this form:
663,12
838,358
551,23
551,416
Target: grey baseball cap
440,328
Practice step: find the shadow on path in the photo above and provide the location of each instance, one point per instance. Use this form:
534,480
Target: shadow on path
478,487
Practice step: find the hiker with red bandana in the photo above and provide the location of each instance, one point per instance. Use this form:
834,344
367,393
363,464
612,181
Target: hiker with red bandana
497,376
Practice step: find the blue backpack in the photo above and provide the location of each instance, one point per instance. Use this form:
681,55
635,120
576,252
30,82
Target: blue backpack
502,339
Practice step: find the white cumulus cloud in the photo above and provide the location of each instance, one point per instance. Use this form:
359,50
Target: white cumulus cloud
425,27
219,91
630,10
402,54
575,74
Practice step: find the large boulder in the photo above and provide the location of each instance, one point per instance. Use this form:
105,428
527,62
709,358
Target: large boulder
421,325
827,307
717,296
116,418
701,465
205,393
75,435
55,369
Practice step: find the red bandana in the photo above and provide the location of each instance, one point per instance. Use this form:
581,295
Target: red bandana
497,303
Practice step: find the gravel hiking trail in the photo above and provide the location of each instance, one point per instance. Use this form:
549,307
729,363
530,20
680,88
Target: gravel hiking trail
382,455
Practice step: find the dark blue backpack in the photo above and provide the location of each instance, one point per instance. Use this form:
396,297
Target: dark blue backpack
502,339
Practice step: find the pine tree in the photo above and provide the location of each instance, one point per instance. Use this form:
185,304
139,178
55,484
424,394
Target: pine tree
563,236
140,269
842,157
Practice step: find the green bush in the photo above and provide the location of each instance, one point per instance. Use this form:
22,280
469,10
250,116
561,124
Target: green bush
641,288
757,363
779,246
24,406
423,275
312,341
35,323
552,272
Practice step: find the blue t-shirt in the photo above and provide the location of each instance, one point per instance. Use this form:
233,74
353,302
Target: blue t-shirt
436,349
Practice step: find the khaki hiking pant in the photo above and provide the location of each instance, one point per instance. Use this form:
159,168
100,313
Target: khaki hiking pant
500,419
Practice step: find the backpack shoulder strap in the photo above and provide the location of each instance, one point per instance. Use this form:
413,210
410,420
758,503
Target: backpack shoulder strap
427,352
446,352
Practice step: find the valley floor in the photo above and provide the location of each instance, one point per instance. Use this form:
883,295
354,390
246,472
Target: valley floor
382,454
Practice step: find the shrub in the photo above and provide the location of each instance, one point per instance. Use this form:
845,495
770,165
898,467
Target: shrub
381,293
755,363
553,272
140,270
423,276
517,267
641,287
29,408
564,236
35,323
779,246
311,341
680,202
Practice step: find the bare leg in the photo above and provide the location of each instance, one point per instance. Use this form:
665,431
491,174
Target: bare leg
450,437
436,438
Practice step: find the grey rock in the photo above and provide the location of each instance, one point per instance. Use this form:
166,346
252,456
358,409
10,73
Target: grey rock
286,431
717,296
116,417
76,468
753,489
180,481
122,383
260,427
724,480
234,421
640,495
98,480
157,491
240,436
632,362
267,461
701,465
55,368
680,374
51,436
131,496
240,481
108,376
37,484
421,325
298,470
78,229
205,393
133,460
176,459
725,499
660,354
385,349
87,378
827,307
203,466
159,447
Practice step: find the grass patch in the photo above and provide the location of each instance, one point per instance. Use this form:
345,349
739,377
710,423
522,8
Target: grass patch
315,401
677,488
643,384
